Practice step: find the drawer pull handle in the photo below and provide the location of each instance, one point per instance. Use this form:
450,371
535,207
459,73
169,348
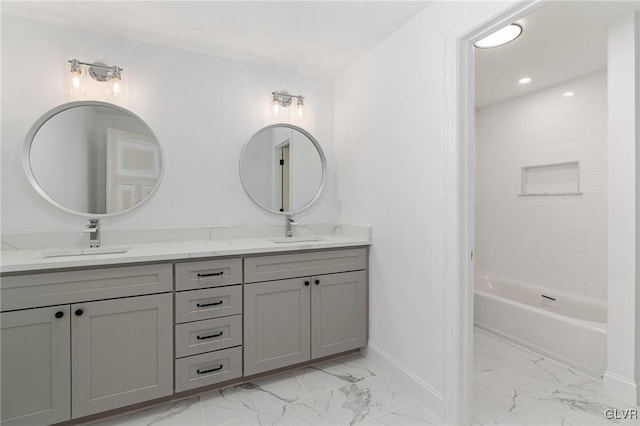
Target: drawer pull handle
211,370
317,282
203,305
306,283
212,274
59,314
79,312
210,336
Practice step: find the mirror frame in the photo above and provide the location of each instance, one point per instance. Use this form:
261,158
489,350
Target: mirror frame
322,159
26,161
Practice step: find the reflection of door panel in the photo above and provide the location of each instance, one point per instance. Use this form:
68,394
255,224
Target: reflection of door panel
133,168
283,176
125,196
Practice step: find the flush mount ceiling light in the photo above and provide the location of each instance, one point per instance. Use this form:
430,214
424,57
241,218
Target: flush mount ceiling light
568,94
524,80
283,99
112,75
500,37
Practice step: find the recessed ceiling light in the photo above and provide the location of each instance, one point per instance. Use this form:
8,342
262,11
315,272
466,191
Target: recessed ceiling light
500,37
568,94
524,80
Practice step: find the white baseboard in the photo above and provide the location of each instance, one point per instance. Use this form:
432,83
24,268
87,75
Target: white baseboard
622,388
427,394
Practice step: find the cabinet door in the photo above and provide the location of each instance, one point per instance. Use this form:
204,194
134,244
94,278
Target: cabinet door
338,313
276,324
36,361
122,352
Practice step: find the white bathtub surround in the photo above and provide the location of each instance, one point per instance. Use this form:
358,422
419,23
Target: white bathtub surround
571,330
514,386
350,390
558,242
175,244
623,368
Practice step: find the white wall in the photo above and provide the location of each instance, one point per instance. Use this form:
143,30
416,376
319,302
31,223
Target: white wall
202,109
557,242
622,378
390,139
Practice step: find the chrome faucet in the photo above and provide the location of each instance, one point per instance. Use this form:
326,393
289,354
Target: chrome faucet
288,221
93,228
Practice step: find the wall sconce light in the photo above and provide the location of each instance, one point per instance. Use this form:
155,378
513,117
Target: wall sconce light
283,99
99,72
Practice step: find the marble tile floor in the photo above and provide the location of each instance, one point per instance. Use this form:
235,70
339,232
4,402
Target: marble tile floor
512,386
348,390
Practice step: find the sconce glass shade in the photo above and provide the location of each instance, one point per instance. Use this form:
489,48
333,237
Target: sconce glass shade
76,78
300,107
115,88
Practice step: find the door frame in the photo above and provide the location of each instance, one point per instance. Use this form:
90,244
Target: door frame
459,207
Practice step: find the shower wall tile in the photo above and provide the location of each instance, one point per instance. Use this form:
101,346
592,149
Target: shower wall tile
556,242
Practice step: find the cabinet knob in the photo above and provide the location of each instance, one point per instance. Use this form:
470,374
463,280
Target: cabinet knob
59,314
306,283
79,312
317,282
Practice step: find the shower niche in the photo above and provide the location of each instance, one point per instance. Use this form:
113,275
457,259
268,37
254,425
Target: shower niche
551,179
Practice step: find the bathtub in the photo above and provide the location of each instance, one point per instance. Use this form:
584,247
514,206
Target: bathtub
565,328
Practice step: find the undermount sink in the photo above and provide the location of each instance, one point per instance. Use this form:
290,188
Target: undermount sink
86,252
288,240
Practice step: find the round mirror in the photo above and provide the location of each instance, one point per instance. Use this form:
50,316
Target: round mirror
93,159
282,169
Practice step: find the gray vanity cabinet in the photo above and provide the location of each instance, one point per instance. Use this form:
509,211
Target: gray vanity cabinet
208,316
276,324
122,352
108,343
338,313
36,363
289,321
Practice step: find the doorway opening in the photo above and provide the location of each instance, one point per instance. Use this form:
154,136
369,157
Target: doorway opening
537,182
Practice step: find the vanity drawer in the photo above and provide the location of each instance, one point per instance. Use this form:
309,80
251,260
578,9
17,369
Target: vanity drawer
210,335
56,288
267,268
210,273
214,367
209,303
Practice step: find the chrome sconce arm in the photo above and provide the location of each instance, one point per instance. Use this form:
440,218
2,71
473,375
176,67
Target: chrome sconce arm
284,99
99,72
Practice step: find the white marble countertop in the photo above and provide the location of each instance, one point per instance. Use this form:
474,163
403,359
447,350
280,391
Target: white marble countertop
238,243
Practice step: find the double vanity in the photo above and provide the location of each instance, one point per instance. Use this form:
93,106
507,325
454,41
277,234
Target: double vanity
86,334
114,320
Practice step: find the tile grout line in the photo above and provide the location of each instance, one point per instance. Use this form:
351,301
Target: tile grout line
201,410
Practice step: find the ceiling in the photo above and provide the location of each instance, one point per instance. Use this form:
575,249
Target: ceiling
561,40
319,38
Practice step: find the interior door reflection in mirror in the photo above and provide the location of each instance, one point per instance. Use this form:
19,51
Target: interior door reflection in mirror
95,159
282,168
